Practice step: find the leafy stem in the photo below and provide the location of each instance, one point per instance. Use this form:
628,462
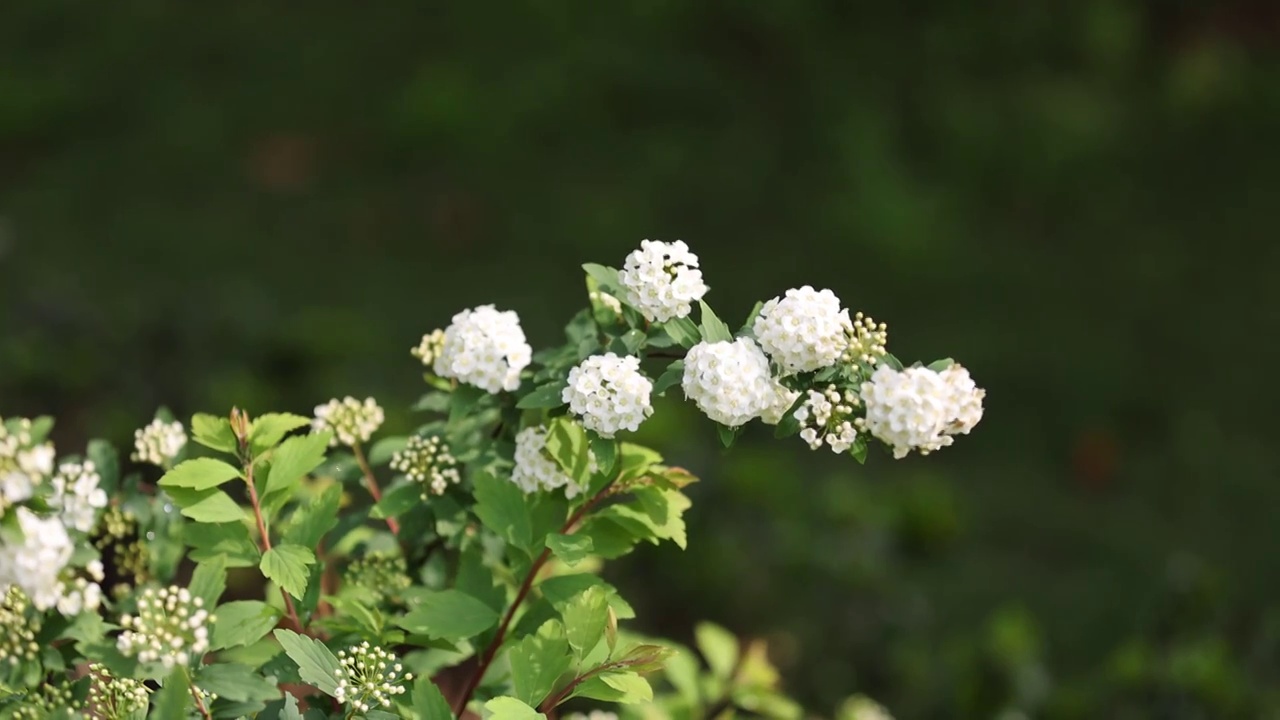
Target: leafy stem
371,482
491,650
195,695
554,700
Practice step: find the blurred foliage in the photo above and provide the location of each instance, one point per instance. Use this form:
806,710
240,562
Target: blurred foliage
1076,199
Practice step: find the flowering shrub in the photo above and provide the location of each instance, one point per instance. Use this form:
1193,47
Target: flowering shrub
468,585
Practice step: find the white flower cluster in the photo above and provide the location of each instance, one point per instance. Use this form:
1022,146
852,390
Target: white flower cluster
535,470
920,409
17,629
34,565
369,677
24,463
113,697
730,382
662,280
429,349
608,393
159,442
170,628
77,496
427,460
827,417
485,348
350,420
804,330
78,594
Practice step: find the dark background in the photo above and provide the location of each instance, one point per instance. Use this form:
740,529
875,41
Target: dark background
267,204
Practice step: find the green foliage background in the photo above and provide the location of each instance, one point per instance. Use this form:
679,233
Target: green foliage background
267,205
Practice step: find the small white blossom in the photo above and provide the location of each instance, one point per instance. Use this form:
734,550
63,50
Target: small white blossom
485,348
369,677
24,463
730,381
783,398
77,496
427,461
804,330
171,628
608,393
429,349
662,280
34,564
159,442
350,420
826,417
535,470
78,595
18,628
920,409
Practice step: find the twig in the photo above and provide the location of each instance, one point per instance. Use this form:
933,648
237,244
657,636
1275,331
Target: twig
204,711
265,541
371,482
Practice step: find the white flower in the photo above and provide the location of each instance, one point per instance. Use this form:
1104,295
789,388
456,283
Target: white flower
608,394
159,442
804,330
783,399
171,628
77,595
350,420
920,409
662,280
369,677
535,470
485,348
24,464
77,496
827,417
35,564
729,381
427,460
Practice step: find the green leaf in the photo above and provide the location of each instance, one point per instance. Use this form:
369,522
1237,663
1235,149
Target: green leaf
719,648
537,661
561,589
572,549
683,331
606,452
206,506
940,365
385,449
660,515
209,580
550,395
891,360
213,432
624,687
637,461
748,327
266,430
633,341
727,435
713,328
502,507
609,538
317,666
449,614
428,702
107,462
509,708
295,457
199,474
287,566
234,681
462,400
229,541
242,622
289,711
309,523
670,377
605,277
398,500
174,699
585,617
568,445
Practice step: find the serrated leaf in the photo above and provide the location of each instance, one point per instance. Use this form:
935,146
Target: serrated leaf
289,711
449,614
568,445
398,500
713,328
585,617
428,702
316,664
672,376
719,648
550,395
509,708
174,698
308,524
635,689
213,432
683,331
606,277
209,580
502,507
242,622
536,662
295,457
571,549
199,474
267,429
559,590
287,565
206,506
234,681
606,452
230,541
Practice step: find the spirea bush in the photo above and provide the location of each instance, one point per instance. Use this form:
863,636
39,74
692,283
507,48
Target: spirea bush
279,566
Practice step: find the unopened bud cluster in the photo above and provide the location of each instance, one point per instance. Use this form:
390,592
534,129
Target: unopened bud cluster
77,496
115,698
429,348
535,470
170,627
826,417
46,700
118,536
24,463
427,461
18,628
369,677
350,420
382,573
866,341
158,443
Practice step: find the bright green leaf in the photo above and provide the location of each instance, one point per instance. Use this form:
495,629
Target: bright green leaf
719,648
213,432
266,430
230,541
585,617
295,457
289,711
635,688
316,664
242,622
234,681
536,662
449,614
509,708
308,524
428,702
199,474
606,277
287,566
568,445
559,590
683,331
572,549
550,395
606,452
209,580
174,698
206,506
502,507
713,328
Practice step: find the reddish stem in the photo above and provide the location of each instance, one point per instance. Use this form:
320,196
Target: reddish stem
371,482
265,541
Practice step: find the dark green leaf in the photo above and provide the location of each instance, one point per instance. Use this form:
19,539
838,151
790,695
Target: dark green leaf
713,328
242,622
309,524
727,435
549,395
289,711
571,549
633,341
670,377
213,432
609,539
287,566
398,500
683,331
174,698
449,614
748,327
381,452
199,474
536,662
209,580
206,506
606,452
463,401
107,463
428,702
295,457
234,681
316,664
230,541
502,507
266,430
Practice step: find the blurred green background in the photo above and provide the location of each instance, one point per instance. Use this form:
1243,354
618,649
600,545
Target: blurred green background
268,204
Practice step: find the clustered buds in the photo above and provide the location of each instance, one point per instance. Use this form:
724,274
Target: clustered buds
804,330
113,697
46,700
485,348
662,280
427,461
865,341
920,409
77,496
382,573
609,393
535,470
827,417
170,627
350,420
369,677
429,349
18,628
159,442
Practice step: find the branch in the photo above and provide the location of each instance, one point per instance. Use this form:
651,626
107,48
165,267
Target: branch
265,540
550,703
371,482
